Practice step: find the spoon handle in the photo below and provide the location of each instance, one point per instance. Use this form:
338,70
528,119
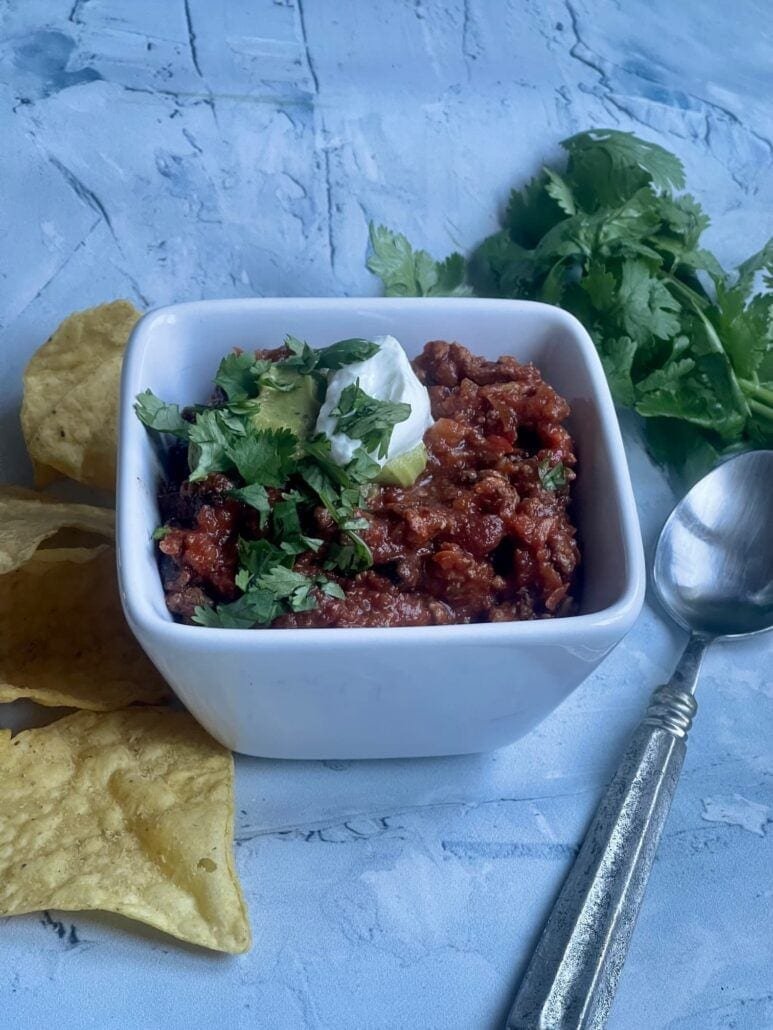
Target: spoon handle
571,979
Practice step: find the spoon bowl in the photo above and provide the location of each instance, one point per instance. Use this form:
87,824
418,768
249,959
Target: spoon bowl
713,573
713,561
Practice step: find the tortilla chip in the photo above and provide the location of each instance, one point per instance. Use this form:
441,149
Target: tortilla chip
65,640
28,518
70,407
130,812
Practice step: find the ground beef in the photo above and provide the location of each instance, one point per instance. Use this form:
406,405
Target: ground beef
476,539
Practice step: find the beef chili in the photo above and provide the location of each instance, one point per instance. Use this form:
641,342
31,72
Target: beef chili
484,534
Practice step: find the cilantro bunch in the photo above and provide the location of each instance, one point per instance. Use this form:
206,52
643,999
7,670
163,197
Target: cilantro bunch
609,238
298,470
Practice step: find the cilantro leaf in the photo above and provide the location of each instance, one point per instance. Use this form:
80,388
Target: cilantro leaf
532,212
286,518
342,503
362,468
617,359
210,441
323,485
646,306
236,378
446,278
554,478
302,357
692,390
745,329
302,599
367,418
276,378
259,556
265,456
502,267
223,438
282,581
345,352
352,556
256,496
224,442
608,166
409,273
560,190
762,261
682,220
256,607
331,589
292,589
626,229
300,544
601,285
164,418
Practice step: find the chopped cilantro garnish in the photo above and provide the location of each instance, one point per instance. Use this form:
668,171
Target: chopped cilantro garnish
350,557
224,437
285,584
164,418
224,442
286,517
368,419
275,378
552,478
270,588
265,456
210,439
236,376
258,556
254,608
345,352
302,358
257,497
342,496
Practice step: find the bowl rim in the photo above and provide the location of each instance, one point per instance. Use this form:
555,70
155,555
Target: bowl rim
576,630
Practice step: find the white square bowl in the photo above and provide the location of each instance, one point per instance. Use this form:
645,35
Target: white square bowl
376,693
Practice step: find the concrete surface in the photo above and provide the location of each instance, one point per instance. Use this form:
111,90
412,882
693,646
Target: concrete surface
176,150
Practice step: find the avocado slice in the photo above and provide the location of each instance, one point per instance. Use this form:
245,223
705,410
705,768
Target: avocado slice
405,469
295,408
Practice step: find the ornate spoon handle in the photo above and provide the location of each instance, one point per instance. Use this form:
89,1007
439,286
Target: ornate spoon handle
571,979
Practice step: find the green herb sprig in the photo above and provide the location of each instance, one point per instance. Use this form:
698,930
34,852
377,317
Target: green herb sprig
368,419
684,343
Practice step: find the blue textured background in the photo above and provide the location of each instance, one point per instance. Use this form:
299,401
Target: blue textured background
173,150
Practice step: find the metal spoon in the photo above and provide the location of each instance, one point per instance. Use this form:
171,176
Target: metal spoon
713,574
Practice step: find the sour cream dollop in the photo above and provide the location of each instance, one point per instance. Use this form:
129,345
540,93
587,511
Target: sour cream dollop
389,377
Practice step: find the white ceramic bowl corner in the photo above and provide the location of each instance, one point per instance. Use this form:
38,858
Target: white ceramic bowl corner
374,693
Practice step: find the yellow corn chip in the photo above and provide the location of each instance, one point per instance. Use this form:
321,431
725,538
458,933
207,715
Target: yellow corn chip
27,519
130,812
64,638
70,404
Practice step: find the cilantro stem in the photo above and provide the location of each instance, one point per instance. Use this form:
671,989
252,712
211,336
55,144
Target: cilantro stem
698,302
761,410
760,394
713,337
